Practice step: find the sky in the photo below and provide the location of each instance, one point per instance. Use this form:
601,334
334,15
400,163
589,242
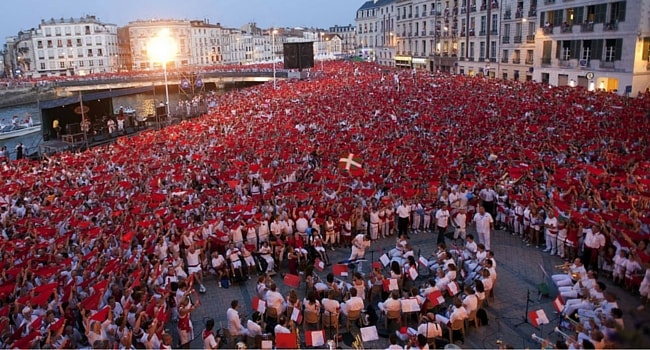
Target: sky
26,14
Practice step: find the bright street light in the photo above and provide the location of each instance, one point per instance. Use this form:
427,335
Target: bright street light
162,48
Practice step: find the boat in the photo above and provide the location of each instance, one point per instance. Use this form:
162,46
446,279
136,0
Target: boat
11,131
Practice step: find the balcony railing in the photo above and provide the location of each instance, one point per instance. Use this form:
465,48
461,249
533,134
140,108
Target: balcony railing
481,33
607,64
530,39
505,40
529,61
532,13
417,15
472,8
415,33
566,28
463,10
494,32
517,39
546,60
548,30
519,14
506,15
424,32
610,27
565,63
587,27
516,60
504,59
431,32
470,59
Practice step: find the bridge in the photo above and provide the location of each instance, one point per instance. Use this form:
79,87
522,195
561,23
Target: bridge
219,78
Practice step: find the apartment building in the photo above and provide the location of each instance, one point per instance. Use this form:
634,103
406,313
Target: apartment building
601,45
376,38
347,34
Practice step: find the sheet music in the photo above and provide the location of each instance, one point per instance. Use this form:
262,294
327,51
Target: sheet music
541,317
295,314
413,273
317,338
267,344
410,305
369,333
385,260
392,284
423,261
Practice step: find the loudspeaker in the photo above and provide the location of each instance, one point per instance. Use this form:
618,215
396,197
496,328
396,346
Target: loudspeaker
298,55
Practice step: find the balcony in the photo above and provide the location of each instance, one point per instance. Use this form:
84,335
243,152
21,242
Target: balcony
587,27
482,33
516,60
505,40
472,8
493,59
470,59
398,17
415,33
566,28
549,2
472,32
610,27
494,32
607,64
565,63
528,61
504,59
417,15
546,61
431,32
548,30
519,14
424,33
530,39
463,10
532,13
517,39
506,15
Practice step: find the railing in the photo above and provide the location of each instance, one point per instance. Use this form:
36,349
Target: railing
516,60
494,32
517,39
470,59
493,59
431,32
610,27
532,13
549,2
463,10
587,27
462,59
519,14
565,63
528,61
481,33
548,30
566,28
415,33
546,60
607,64
472,8
505,40
530,39
506,15
424,32
504,59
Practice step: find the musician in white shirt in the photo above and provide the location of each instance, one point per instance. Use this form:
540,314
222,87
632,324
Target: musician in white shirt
359,245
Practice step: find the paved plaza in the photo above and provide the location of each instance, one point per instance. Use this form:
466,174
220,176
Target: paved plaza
519,270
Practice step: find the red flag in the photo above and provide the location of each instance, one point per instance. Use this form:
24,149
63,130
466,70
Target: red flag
340,270
101,315
292,280
436,298
558,304
286,341
91,302
350,163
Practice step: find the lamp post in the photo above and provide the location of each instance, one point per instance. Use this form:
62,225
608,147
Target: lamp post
275,31
319,51
162,49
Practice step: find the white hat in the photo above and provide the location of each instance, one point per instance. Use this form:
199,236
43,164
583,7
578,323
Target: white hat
27,310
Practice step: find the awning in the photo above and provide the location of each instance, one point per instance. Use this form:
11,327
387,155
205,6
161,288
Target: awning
90,96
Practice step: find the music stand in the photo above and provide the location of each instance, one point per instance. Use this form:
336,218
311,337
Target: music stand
542,288
525,317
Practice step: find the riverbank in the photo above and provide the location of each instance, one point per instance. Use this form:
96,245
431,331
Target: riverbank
23,96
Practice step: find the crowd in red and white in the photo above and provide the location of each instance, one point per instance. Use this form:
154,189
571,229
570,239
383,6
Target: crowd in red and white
109,244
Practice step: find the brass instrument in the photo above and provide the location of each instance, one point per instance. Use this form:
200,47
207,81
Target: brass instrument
574,323
357,343
546,344
566,337
563,266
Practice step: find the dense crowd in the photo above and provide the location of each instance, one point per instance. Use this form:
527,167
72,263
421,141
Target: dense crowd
257,181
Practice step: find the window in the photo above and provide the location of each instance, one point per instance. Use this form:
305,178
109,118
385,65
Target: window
613,48
483,25
68,31
68,43
42,65
91,63
81,63
79,42
504,56
100,53
471,51
462,50
57,31
62,64
481,54
494,24
39,44
596,13
49,43
59,43
493,51
90,53
48,31
546,51
41,54
617,14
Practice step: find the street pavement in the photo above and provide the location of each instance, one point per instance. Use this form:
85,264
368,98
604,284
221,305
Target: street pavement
519,269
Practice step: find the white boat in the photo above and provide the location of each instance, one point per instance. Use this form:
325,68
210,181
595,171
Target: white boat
11,131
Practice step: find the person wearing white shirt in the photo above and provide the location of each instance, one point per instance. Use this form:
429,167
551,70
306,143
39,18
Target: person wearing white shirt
470,302
281,327
209,340
234,322
429,328
484,223
551,228
403,214
355,303
391,304
442,221
274,299
593,243
194,258
457,312
460,223
253,325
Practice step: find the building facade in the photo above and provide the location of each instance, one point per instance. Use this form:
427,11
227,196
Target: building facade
376,37
348,37
598,45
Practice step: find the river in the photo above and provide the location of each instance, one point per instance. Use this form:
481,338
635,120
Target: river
143,103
